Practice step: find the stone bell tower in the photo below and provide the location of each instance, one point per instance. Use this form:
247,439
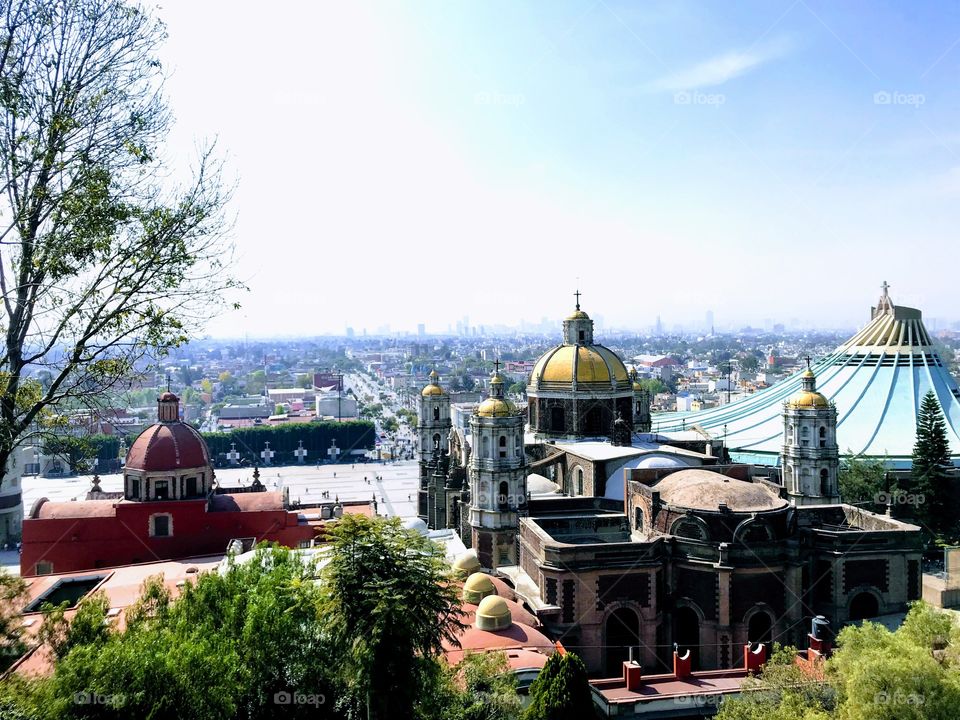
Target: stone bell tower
498,477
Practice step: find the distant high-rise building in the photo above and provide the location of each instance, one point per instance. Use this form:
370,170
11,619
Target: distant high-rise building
421,330
658,328
349,332
709,327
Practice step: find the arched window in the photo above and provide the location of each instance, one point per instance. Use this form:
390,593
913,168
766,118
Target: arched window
503,446
804,431
790,434
824,482
436,441
436,413
503,498
638,518
579,481
823,436
486,446
689,528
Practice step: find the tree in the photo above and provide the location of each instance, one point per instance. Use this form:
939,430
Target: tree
489,687
387,606
237,644
13,590
561,691
653,386
862,479
102,263
782,692
517,388
931,458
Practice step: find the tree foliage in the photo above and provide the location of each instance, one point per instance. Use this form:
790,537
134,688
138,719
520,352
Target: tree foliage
861,479
103,261
561,691
931,458
910,674
12,593
387,606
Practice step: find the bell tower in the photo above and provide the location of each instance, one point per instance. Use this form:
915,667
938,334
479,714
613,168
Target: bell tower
578,327
497,476
433,432
810,456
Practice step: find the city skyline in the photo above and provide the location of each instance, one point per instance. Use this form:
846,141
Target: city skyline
414,162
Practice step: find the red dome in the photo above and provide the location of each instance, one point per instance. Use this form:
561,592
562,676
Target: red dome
167,446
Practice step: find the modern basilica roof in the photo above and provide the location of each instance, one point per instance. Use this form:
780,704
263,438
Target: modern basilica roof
876,380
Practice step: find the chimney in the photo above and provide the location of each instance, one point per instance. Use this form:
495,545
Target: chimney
681,663
632,674
753,660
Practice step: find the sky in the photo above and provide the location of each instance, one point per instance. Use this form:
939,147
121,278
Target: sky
418,161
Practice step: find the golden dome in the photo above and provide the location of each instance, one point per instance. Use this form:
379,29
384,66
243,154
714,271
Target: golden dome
594,364
808,373
477,587
807,399
497,380
495,407
431,389
493,613
578,315
467,563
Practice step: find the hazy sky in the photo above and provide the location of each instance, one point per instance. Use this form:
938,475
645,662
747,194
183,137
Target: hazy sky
412,161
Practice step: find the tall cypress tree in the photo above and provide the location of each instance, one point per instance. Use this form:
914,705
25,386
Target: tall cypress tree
561,691
931,458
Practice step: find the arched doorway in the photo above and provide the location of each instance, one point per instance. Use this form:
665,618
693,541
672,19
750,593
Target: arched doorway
686,633
864,605
622,631
760,629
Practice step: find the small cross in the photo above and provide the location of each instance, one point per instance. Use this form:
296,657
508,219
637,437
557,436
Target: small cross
807,358
885,287
577,294
168,382
496,366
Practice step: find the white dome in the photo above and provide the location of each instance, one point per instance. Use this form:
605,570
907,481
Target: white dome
660,461
417,524
540,485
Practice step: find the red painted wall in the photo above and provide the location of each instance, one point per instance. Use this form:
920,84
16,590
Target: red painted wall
73,544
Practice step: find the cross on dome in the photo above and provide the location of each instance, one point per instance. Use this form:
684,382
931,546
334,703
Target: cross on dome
577,295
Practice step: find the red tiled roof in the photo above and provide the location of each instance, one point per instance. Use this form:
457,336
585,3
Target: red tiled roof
79,509
247,502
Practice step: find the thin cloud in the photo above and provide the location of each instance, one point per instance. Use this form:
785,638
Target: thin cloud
721,68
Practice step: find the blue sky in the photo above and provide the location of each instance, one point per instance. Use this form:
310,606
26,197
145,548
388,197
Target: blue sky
405,162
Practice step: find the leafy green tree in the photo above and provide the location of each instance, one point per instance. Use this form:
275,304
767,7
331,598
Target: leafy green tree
88,626
781,692
104,264
902,675
861,479
561,691
490,688
387,606
653,386
13,591
241,643
391,425
517,388
931,458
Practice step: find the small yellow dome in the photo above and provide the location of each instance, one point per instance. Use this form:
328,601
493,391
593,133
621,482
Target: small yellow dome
807,399
495,407
431,390
493,614
808,373
466,563
477,587
497,380
578,315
